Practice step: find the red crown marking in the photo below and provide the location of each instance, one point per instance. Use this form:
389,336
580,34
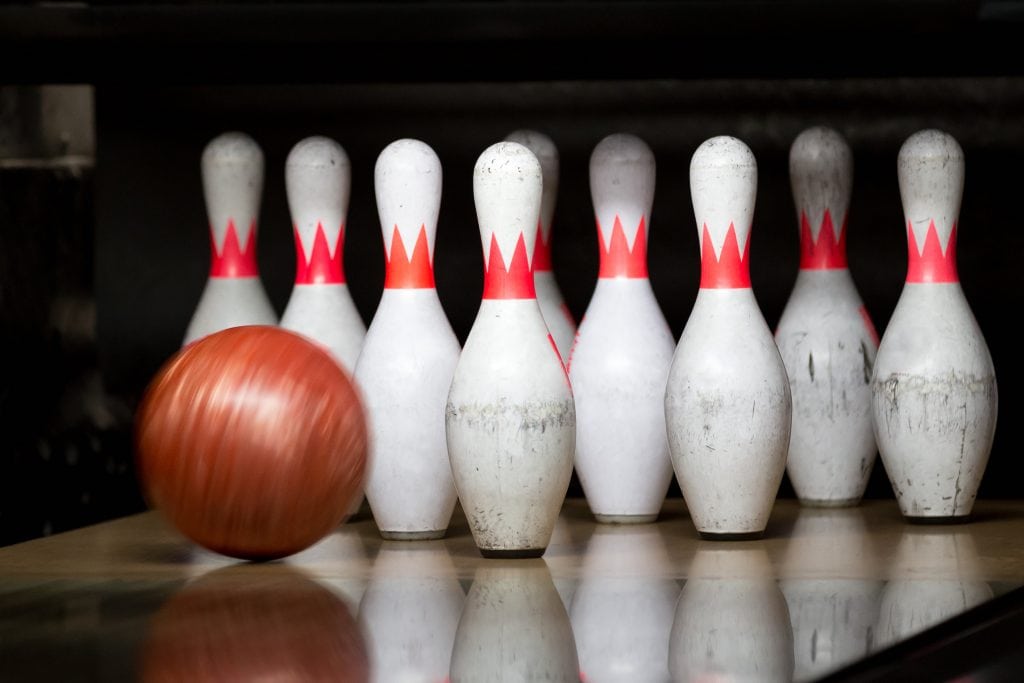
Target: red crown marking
868,325
730,270
826,253
409,273
320,267
930,264
514,282
232,260
541,253
617,259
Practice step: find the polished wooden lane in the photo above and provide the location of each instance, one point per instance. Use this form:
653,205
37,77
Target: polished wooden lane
132,597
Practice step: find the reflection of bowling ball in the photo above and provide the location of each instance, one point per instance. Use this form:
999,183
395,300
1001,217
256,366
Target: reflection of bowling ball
252,441
245,623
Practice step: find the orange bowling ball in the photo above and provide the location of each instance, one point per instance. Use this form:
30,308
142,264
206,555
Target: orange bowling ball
252,441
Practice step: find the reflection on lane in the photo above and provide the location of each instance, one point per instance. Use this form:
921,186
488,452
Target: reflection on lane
623,607
935,576
731,620
410,611
514,627
250,622
833,593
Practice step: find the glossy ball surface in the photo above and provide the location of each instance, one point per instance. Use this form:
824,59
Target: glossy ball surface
252,441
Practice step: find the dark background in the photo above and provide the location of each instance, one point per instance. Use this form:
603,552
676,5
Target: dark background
127,234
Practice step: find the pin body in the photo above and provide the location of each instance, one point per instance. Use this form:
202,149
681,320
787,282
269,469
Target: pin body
318,181
728,405
934,393
825,335
510,419
232,175
409,356
620,361
552,304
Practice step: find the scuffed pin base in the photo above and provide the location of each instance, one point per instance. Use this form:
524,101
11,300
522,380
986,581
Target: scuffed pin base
429,535
829,503
947,519
625,519
731,536
513,554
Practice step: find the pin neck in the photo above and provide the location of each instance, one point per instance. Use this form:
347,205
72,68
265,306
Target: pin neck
928,262
728,269
232,260
511,281
321,266
403,271
541,252
618,258
828,251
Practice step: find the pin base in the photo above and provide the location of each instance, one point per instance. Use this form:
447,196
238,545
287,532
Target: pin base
830,503
727,536
625,519
514,554
938,521
430,535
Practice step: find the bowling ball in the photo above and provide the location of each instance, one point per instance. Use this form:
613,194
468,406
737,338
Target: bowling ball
236,624
252,441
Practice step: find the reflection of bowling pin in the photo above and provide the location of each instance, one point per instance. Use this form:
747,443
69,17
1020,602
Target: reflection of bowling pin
514,628
623,607
317,178
728,406
405,369
510,419
623,349
935,576
934,386
232,172
830,565
410,611
337,562
731,621
825,334
556,314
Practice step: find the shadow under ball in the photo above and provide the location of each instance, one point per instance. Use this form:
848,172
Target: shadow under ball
252,441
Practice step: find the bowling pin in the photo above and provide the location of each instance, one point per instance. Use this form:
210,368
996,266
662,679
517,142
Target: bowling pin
934,395
552,305
728,406
232,174
825,334
619,364
317,178
409,356
510,419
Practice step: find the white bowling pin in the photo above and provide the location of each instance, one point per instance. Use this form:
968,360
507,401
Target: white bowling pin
409,356
514,627
825,334
317,178
731,621
510,419
728,406
232,174
409,613
934,395
619,364
552,305
623,607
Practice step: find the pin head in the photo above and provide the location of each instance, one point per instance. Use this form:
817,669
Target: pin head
622,173
232,173
507,188
821,175
318,178
543,147
407,182
723,187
